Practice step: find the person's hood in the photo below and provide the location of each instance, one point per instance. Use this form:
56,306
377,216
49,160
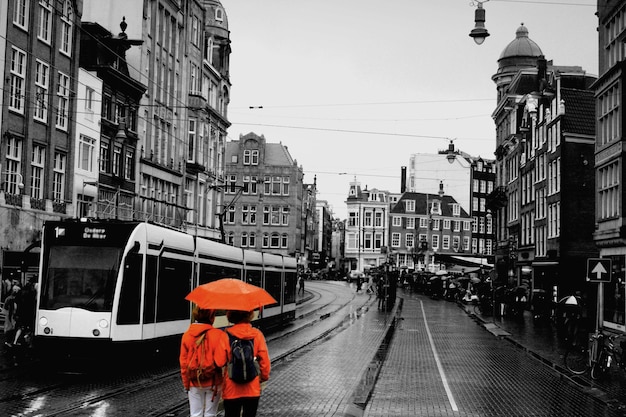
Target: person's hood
197,328
242,331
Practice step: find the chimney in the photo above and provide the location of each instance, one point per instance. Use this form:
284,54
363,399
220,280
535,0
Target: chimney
402,180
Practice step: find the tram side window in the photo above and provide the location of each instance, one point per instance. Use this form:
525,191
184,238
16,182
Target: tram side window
150,291
290,287
211,272
174,283
130,296
254,277
273,285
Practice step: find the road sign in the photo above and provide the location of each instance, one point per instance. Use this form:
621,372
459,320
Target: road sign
599,269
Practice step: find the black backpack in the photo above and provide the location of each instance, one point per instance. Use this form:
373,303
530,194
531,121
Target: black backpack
243,366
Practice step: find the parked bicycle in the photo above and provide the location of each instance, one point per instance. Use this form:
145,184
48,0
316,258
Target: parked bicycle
608,355
597,356
484,305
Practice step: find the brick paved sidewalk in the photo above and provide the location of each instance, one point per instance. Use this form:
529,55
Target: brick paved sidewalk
540,339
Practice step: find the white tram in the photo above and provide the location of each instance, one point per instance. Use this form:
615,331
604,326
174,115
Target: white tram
112,282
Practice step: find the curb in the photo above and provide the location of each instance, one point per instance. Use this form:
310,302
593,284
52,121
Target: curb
363,392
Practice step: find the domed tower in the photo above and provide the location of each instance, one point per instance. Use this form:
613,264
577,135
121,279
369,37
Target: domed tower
521,53
216,24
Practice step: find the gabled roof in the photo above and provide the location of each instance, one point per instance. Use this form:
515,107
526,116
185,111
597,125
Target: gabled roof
423,200
580,111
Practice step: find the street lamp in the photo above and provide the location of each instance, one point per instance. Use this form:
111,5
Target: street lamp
14,181
451,153
479,33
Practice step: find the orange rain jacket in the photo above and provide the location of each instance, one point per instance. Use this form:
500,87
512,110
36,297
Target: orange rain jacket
234,390
217,342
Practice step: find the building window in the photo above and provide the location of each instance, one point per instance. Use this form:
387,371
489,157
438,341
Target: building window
231,184
244,240
266,215
423,222
265,243
409,240
45,20
129,165
285,185
192,140
367,240
410,205
63,90
252,240
18,75
284,241
396,221
435,242
378,240
14,166
230,215
353,219
395,240
446,224
285,216
86,146
41,91
435,224
410,223
105,156
37,169
20,14
275,240
58,182
66,28
608,191
275,216
116,163
445,242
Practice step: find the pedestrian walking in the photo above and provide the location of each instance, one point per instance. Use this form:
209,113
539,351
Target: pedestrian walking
203,354
244,396
10,313
301,284
25,315
359,284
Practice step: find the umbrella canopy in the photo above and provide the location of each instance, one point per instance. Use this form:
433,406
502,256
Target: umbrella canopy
230,294
571,300
441,272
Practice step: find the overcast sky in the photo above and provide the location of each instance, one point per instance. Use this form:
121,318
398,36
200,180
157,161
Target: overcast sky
353,87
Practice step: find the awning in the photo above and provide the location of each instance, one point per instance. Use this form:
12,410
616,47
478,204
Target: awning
464,260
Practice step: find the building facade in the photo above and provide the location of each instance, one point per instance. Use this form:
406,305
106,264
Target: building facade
543,200
183,60
610,210
423,227
367,228
104,54
40,50
468,179
266,203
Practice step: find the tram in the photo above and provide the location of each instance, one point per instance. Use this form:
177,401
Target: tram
104,283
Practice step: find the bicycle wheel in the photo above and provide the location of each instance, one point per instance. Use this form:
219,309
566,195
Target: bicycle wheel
599,368
577,360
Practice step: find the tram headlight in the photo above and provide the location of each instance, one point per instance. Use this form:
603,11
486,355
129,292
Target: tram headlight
103,324
43,321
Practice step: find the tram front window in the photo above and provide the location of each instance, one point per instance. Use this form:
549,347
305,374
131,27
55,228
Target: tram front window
79,276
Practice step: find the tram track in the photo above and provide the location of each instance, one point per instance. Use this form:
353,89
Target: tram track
92,395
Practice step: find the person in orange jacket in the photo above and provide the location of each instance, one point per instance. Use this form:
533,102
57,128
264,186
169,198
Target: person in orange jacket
204,396
245,397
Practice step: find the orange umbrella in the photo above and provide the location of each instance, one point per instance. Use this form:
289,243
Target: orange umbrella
230,294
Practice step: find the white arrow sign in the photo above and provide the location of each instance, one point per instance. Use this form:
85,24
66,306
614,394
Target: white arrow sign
599,270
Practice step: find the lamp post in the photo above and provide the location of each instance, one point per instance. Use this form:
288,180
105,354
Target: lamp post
479,33
14,181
